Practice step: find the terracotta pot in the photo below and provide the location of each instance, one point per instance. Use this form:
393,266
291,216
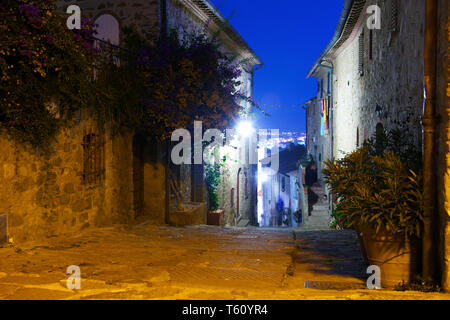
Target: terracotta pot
216,218
397,258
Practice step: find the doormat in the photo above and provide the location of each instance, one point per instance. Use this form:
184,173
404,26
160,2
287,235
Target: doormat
3,229
331,285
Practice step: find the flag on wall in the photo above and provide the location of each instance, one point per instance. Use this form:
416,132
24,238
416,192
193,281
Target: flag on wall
324,123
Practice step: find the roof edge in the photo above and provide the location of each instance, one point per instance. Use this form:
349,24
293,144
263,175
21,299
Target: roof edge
205,6
337,34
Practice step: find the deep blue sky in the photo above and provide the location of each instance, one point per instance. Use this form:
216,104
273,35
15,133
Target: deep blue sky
288,36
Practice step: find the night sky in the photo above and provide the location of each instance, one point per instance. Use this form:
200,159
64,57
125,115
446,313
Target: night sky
288,35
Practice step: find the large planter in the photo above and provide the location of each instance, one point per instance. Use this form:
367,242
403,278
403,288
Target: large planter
359,233
216,218
397,258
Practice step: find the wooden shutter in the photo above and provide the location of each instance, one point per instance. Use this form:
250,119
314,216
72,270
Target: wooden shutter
394,15
361,54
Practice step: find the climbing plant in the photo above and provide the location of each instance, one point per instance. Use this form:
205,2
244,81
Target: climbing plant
212,179
43,69
152,85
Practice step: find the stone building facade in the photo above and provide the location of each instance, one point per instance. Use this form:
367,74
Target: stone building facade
378,83
237,191
318,129
377,73
91,177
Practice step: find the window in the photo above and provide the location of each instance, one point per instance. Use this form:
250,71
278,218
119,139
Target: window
321,88
357,136
108,35
394,15
93,159
329,83
283,184
361,54
371,45
107,28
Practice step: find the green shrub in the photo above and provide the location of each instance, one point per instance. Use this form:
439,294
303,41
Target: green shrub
376,185
212,179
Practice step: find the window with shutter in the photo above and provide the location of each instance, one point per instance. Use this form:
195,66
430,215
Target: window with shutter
329,83
357,137
394,15
321,88
361,54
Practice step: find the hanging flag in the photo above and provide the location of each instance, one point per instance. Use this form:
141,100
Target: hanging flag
325,117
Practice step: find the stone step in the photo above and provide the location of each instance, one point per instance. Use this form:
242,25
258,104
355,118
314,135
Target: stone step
318,192
320,207
318,220
242,222
321,213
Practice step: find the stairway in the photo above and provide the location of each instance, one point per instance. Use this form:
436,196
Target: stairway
320,214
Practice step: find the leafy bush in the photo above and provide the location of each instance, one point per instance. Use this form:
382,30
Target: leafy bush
376,186
44,69
153,85
212,179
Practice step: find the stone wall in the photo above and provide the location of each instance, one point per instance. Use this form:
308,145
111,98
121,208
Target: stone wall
143,15
229,175
391,87
443,173
44,194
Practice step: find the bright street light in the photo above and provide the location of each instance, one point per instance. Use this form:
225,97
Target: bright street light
245,129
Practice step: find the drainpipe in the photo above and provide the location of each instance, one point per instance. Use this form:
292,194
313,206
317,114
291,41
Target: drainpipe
429,121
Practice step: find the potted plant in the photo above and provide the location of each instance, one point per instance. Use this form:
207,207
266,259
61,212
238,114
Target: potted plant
380,194
212,179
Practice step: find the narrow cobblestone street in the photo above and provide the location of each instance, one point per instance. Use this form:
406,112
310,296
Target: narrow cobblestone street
148,262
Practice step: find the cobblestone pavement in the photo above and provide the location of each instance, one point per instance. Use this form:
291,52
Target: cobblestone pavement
149,262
